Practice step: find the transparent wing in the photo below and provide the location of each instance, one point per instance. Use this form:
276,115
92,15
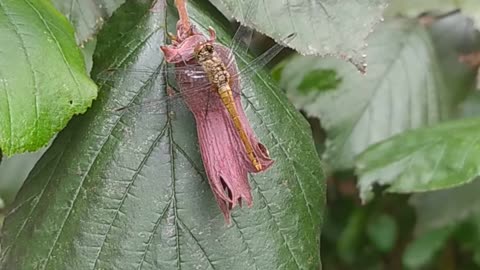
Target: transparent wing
243,36
196,89
114,73
265,57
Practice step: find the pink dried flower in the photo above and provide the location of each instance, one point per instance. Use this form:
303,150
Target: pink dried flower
224,156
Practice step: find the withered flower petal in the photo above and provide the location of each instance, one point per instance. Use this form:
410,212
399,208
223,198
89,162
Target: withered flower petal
223,153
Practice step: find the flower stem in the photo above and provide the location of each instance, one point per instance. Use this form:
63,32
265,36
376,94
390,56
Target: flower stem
183,14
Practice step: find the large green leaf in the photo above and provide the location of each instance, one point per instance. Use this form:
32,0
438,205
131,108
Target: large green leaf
470,8
126,189
323,27
43,82
403,89
87,16
443,156
445,208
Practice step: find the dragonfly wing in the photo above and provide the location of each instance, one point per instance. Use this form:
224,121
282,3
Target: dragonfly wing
264,58
161,105
243,36
118,74
115,77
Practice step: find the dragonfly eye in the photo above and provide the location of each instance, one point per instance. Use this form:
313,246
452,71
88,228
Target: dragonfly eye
209,48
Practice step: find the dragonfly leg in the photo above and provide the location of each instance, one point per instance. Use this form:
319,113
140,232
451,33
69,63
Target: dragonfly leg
172,36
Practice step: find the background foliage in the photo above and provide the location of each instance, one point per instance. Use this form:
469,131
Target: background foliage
397,132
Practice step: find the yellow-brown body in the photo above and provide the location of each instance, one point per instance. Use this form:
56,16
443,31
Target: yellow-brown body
219,77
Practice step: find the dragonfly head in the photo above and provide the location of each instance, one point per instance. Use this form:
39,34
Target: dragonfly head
204,51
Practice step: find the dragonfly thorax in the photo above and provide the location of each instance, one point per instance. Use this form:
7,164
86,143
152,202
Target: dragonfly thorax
213,65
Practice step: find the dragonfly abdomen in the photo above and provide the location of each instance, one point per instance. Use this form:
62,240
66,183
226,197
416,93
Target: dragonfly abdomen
226,96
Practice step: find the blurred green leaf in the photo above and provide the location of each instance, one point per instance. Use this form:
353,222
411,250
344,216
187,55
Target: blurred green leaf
470,8
42,75
424,248
14,171
438,157
277,70
476,257
87,16
403,89
351,236
126,189
382,231
467,242
319,80
446,207
323,27
467,234
471,106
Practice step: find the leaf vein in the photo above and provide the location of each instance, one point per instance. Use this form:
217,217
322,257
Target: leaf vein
277,226
174,197
127,190
155,228
182,224
250,253
30,65
109,133
60,49
9,108
39,195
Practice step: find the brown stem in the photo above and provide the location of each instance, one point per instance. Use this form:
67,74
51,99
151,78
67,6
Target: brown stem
183,14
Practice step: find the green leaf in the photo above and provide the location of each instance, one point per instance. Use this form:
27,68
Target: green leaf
319,80
438,157
403,89
43,82
476,257
277,70
467,233
423,249
126,189
322,27
351,237
471,106
470,8
382,231
14,171
446,207
87,16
